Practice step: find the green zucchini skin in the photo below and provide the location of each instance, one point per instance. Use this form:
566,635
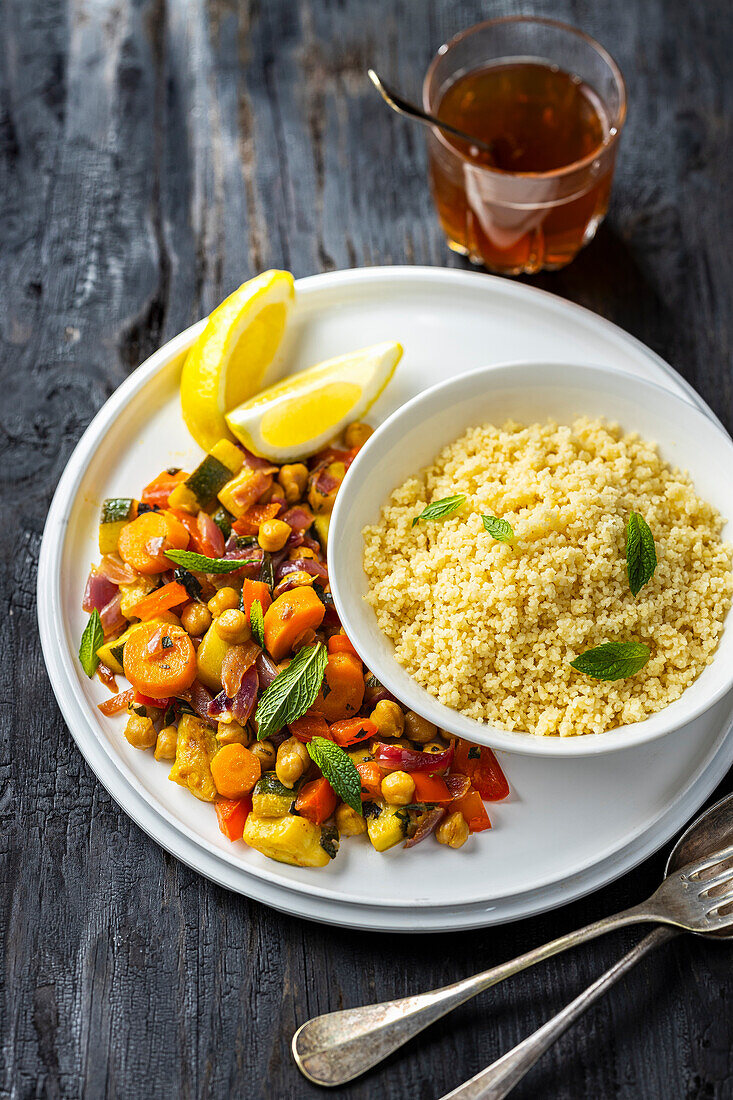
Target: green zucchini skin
270,797
223,520
115,509
330,840
209,477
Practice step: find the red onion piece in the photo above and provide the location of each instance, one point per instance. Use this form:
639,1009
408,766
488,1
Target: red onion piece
210,534
312,544
393,758
427,823
299,518
249,492
238,660
99,592
267,670
116,570
304,565
295,538
458,785
241,706
111,615
198,697
255,462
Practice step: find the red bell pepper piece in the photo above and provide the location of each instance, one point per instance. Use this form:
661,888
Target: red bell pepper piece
163,599
481,766
117,703
370,775
255,590
430,788
473,810
161,487
232,813
310,726
351,730
316,801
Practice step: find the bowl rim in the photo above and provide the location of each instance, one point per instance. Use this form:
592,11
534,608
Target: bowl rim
382,663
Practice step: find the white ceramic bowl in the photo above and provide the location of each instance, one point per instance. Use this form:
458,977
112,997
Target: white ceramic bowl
527,392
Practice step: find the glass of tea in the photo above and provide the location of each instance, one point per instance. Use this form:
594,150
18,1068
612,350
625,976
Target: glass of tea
551,103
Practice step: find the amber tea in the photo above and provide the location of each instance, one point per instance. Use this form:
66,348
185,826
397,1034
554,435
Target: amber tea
539,196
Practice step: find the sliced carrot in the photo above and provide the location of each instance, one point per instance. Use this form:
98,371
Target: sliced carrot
232,814
159,674
344,685
163,599
310,726
351,730
339,643
254,517
430,788
289,615
370,775
143,542
316,801
235,770
161,487
473,810
255,590
483,769
117,703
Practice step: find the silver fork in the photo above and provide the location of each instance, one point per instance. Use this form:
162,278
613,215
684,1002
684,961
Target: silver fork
339,1046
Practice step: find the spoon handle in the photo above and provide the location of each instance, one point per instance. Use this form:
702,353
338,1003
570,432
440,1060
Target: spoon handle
339,1046
501,1076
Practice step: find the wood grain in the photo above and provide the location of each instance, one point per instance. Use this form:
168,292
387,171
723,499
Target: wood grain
153,154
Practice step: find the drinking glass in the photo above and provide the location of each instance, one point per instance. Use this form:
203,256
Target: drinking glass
514,222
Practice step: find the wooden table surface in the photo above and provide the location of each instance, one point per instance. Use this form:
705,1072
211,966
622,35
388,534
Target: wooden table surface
153,155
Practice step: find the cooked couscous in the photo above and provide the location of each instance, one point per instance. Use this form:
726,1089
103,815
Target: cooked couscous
490,627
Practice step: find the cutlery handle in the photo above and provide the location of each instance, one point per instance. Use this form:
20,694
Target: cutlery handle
339,1046
501,1076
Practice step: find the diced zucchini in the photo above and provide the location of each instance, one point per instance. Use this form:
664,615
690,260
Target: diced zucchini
322,523
271,798
208,478
330,840
209,657
229,454
228,492
116,512
288,839
195,749
184,498
388,827
223,521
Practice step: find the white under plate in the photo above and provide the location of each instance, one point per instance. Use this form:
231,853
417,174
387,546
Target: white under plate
570,826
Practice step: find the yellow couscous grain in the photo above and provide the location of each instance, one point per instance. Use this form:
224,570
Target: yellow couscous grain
490,628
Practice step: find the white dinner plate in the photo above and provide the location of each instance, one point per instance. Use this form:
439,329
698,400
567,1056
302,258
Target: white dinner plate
570,826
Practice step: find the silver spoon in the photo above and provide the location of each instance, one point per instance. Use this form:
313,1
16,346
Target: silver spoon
712,831
339,1046
404,107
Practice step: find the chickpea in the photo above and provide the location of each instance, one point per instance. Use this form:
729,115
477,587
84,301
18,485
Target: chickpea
452,831
398,788
357,434
292,760
226,599
196,618
349,822
419,729
273,534
299,553
232,627
298,579
140,732
389,718
265,753
231,733
274,493
293,479
165,746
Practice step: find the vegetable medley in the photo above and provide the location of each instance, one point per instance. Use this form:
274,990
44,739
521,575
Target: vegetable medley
212,599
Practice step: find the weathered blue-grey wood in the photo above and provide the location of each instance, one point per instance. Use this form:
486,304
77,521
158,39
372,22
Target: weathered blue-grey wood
153,154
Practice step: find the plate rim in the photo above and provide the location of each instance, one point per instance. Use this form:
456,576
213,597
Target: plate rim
57,519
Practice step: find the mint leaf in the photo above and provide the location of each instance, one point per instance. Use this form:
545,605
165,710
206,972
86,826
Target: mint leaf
292,692
257,623
338,768
499,529
199,563
641,555
91,640
613,660
441,509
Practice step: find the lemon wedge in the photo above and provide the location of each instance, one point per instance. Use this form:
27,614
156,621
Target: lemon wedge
302,413
236,355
